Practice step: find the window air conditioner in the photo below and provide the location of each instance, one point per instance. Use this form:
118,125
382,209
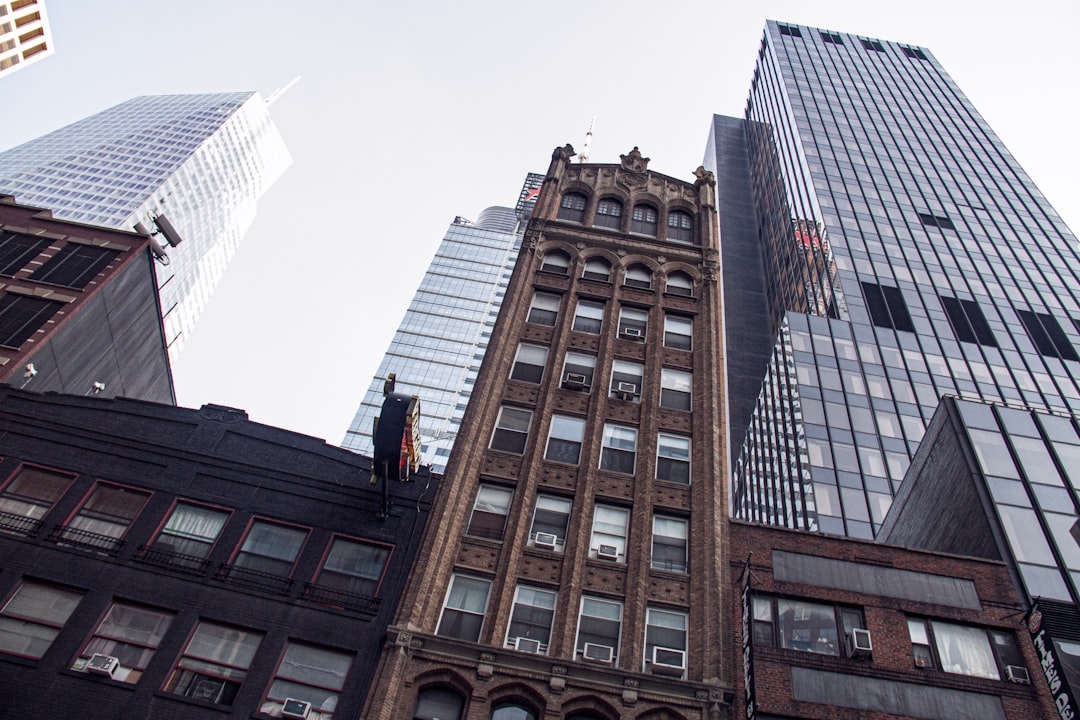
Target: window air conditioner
859,644
545,540
294,708
598,653
632,333
1017,674
921,662
625,390
103,665
607,552
528,645
574,380
668,661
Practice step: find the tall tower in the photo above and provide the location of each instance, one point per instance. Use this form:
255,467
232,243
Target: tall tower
203,161
581,535
906,256
437,350
25,36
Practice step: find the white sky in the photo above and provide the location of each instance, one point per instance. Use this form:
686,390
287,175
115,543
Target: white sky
410,113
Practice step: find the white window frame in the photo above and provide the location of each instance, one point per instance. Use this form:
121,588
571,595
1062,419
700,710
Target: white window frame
676,326
610,526
511,428
570,431
529,357
654,616
462,578
524,596
662,524
588,310
626,437
669,447
592,603
543,302
674,385
552,504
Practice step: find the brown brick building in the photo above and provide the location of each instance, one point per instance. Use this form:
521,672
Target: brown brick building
576,553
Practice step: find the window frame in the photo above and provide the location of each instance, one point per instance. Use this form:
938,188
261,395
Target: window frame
580,642
328,594
609,530
597,269
127,673
606,219
93,259
486,531
10,521
650,625
633,277
23,249
465,577
670,334
233,565
569,209
536,307
268,699
609,452
560,537
767,631
626,372
556,262
197,563
931,654
35,313
670,460
576,368
545,644
669,565
68,533
529,368
683,232
633,319
228,673
584,311
53,625
510,432
644,225
678,289
567,442
671,396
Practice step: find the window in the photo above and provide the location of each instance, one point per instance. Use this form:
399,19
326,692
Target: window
29,497
626,380
831,37
914,53
633,323
103,520
556,262
438,704
16,250
669,544
129,633
609,532
511,430
214,664
463,612
550,521
789,30
804,626
675,389
489,512
512,711
188,536
678,332
644,220
588,317
1047,335
530,620
680,227
33,616
638,276
21,316
679,283
887,307
609,214
962,649
598,629
665,642
564,440
269,549
310,674
936,221
74,265
529,363
673,458
619,448
351,568
544,309
597,269
578,371
968,322
573,207
872,45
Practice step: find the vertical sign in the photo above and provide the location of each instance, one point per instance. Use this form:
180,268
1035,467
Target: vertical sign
1050,667
747,651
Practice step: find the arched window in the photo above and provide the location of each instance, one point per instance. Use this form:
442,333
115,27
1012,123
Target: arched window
679,283
644,220
438,703
609,214
597,269
573,207
638,276
512,711
556,262
680,227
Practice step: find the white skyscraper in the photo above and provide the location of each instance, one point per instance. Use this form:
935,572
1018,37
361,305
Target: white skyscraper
203,161
24,34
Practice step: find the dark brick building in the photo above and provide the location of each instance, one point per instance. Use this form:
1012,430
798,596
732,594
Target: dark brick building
161,562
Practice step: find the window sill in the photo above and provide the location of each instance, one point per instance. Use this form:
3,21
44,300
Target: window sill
192,701
100,679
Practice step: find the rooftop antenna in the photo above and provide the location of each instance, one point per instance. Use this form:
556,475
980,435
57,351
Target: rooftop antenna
281,91
583,156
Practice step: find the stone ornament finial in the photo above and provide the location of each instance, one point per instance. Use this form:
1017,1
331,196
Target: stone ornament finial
634,162
704,176
563,153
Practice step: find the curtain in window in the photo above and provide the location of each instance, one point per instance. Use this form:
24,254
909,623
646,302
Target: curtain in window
965,650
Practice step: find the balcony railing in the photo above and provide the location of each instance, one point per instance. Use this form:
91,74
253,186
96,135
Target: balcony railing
340,598
168,558
19,524
255,580
86,540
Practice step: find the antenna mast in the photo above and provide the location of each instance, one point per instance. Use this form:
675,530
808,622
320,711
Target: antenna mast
583,156
281,91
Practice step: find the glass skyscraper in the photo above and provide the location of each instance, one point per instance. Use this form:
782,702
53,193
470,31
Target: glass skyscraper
201,160
903,255
437,350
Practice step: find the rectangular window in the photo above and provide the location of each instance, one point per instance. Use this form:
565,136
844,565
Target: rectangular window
789,30
488,518
33,616
669,544
28,497
887,307
599,626
564,440
17,250
308,677
531,619
633,323
350,574
914,53
463,611
626,380
544,309
619,449
609,530
678,332
511,430
550,522
665,642
1047,336
675,389
968,322
529,363
103,520
673,458
936,221
805,626
578,371
214,664
129,633
872,45
187,537
74,265
588,317
266,557
21,316
962,649
831,37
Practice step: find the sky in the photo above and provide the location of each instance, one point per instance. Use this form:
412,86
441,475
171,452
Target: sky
410,113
